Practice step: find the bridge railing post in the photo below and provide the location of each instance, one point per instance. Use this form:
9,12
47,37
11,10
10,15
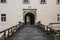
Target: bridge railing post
19,24
39,24
43,27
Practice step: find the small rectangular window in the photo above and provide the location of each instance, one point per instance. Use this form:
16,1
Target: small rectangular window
26,1
42,1
58,1
3,17
58,17
3,1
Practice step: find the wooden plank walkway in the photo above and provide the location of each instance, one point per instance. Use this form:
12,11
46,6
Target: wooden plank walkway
29,33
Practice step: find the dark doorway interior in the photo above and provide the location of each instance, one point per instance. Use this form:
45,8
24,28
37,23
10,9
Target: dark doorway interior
31,18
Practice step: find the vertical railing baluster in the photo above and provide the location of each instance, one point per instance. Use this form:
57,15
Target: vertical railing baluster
11,31
5,35
8,32
47,30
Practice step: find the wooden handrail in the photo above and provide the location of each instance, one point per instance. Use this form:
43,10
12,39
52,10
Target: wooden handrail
52,32
6,29
54,23
51,29
10,31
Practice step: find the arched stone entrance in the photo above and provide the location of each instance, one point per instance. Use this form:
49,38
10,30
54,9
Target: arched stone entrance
29,19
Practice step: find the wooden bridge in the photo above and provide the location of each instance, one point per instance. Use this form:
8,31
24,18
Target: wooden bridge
29,32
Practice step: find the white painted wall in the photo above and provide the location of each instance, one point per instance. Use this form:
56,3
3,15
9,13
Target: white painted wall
46,13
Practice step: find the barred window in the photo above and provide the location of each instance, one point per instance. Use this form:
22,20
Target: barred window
58,17
3,17
3,1
58,1
42,1
26,1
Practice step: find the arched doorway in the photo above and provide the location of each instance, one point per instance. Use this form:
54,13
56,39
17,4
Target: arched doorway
29,19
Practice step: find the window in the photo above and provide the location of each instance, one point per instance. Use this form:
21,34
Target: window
26,1
58,17
3,1
42,1
3,17
58,1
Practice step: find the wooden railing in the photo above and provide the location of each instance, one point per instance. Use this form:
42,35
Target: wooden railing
51,28
50,31
41,26
10,31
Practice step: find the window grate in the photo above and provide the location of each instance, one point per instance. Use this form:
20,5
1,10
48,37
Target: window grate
42,1
26,1
58,17
3,17
3,1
